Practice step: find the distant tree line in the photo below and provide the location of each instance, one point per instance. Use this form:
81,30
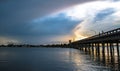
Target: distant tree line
29,45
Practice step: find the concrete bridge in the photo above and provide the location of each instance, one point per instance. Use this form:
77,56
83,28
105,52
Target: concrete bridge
105,43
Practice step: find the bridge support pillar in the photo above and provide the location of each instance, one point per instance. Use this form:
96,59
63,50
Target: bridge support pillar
111,51
107,50
82,48
98,49
92,48
103,49
117,44
85,49
89,48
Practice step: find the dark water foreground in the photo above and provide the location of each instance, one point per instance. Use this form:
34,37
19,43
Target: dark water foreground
49,59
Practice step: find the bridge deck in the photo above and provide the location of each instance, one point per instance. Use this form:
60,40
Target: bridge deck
110,36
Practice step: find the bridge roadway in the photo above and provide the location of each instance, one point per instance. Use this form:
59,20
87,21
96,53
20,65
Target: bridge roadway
110,36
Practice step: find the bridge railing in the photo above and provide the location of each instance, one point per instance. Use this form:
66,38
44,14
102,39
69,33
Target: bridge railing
105,33
100,35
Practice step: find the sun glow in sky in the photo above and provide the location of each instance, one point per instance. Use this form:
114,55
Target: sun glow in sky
96,16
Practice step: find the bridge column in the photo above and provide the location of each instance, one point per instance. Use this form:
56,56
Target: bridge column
103,49
103,52
89,48
107,50
117,44
79,46
82,47
85,47
92,48
98,49
111,52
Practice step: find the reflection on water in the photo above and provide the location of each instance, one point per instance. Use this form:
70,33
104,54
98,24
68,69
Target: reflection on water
84,62
51,59
112,62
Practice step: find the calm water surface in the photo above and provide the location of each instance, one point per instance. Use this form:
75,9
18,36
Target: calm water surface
47,59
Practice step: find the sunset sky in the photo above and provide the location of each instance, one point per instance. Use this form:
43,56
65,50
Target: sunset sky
55,21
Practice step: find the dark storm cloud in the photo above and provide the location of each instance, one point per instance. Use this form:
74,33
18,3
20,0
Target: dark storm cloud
58,25
22,10
18,12
44,29
15,16
104,14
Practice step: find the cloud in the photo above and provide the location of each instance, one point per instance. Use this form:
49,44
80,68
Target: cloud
15,11
55,25
16,17
50,21
104,17
103,14
42,29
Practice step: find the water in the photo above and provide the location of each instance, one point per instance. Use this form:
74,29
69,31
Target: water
47,59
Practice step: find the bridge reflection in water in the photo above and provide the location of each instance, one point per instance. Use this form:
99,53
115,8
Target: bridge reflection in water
104,47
